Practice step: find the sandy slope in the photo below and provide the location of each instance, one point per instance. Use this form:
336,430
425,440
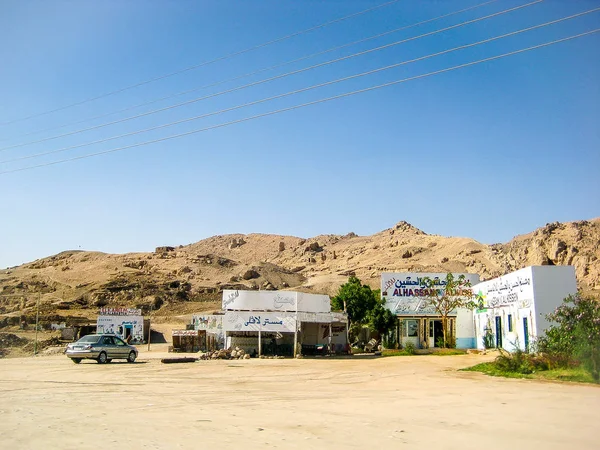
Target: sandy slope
418,402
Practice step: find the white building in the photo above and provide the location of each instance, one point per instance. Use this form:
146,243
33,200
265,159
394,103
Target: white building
512,308
282,322
211,325
405,294
127,323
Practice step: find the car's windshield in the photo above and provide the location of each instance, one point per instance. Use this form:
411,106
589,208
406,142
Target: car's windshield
89,339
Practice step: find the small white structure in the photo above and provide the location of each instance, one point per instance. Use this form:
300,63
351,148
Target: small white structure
127,323
405,294
212,326
284,322
512,308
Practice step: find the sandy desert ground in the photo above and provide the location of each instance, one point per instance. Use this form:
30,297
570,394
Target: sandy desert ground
399,402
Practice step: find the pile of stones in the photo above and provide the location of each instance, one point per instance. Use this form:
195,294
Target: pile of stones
237,353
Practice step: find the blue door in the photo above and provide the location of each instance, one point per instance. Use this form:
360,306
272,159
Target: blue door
526,333
498,332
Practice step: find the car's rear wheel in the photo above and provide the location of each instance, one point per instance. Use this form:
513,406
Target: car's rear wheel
102,359
131,357
76,360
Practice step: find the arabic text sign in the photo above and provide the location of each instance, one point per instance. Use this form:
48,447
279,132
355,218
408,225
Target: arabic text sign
120,312
184,333
259,321
274,301
332,317
407,293
505,290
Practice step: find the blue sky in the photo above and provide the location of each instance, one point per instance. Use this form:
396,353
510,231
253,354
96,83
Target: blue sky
489,151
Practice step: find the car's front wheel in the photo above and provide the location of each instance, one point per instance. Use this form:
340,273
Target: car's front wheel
131,357
76,360
102,359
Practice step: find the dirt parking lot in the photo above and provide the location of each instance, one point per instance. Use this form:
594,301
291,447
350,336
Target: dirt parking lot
401,402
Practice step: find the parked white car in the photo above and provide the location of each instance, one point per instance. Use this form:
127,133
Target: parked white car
102,348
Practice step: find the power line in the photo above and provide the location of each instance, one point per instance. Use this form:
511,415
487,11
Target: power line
286,94
205,63
256,72
277,77
270,113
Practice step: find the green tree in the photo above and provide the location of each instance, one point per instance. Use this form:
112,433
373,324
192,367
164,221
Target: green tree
356,299
382,319
575,333
446,297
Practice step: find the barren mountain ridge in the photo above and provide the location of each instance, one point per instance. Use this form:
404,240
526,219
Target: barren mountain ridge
189,278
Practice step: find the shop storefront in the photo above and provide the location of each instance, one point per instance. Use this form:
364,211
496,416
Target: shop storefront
407,295
283,323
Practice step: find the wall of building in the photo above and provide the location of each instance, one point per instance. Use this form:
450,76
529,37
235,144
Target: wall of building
116,325
503,303
518,303
551,285
212,324
465,331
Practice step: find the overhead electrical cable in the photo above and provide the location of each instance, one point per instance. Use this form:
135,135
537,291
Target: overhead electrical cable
256,72
205,63
290,108
277,77
286,94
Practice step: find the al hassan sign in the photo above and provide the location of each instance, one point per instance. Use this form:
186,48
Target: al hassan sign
407,293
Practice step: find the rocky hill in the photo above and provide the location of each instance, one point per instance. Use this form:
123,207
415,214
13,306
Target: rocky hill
184,279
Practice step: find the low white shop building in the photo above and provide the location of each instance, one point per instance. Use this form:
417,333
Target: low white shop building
282,322
512,308
127,323
210,330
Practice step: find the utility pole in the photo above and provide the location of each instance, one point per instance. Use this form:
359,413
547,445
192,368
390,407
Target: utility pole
149,327
37,320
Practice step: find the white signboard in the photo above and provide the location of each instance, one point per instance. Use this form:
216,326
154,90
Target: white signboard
333,317
513,288
407,293
240,300
259,321
211,323
120,312
184,333
317,303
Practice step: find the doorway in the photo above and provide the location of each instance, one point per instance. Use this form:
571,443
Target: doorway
438,333
498,332
127,332
526,333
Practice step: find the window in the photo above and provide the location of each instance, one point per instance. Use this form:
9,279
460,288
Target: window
411,328
510,323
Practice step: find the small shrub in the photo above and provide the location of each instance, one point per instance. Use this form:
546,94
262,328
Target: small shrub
521,362
575,334
409,348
